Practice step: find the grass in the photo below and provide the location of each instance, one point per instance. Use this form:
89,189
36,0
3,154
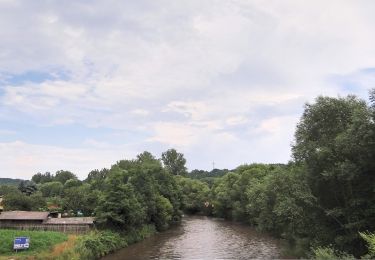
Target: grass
40,241
59,246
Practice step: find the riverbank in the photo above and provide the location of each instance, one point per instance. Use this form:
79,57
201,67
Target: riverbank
55,245
100,243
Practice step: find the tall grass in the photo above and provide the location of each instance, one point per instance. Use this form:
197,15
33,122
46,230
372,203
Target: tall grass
99,243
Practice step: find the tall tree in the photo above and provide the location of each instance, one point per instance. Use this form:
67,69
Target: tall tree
174,162
62,176
119,207
335,142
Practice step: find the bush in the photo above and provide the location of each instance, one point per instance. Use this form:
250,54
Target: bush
328,253
99,243
370,239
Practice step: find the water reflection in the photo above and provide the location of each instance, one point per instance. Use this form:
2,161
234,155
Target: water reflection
203,238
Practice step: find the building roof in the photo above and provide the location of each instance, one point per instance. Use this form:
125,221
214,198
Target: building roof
70,221
23,215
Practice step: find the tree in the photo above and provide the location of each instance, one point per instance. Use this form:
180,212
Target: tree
96,175
52,189
119,207
150,181
72,183
194,195
62,176
174,162
27,187
42,178
147,157
21,201
164,213
80,199
335,142
372,97
6,189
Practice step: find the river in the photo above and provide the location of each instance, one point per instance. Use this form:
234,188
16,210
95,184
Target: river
201,237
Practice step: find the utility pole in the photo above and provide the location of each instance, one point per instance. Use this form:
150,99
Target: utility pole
213,165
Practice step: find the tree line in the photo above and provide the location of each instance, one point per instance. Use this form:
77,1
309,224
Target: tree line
129,194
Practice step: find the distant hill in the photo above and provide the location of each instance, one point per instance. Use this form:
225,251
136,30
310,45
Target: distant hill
9,181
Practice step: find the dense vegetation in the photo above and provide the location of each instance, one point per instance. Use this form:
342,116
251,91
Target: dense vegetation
99,243
322,203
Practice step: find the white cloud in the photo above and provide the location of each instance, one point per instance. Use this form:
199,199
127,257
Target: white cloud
277,125
140,112
183,73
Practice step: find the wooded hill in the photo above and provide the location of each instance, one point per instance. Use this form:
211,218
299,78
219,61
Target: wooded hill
9,181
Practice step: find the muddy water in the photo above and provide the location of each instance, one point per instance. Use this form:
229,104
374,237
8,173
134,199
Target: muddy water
203,238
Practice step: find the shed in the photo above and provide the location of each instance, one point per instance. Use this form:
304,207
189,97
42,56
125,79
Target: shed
76,225
22,218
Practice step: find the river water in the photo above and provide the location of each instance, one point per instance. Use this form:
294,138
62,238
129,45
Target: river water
201,237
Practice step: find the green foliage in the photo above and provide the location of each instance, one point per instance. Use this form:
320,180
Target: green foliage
120,206
52,189
136,192
328,253
194,195
163,214
20,201
62,176
72,183
325,196
174,162
97,244
370,240
39,240
229,192
201,174
6,189
80,199
42,178
95,178
335,141
27,187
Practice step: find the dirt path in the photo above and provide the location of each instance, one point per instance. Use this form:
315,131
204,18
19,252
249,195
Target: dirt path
60,248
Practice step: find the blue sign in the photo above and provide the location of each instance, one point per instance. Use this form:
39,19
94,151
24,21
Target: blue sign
21,243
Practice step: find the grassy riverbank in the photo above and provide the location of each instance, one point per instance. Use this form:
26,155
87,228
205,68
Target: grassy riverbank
40,242
100,243
54,245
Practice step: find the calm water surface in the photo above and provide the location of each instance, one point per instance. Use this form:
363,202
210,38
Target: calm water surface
203,238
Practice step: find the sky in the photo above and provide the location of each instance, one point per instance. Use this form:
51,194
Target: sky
84,84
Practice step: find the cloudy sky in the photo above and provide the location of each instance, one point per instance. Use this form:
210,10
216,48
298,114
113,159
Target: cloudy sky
86,83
